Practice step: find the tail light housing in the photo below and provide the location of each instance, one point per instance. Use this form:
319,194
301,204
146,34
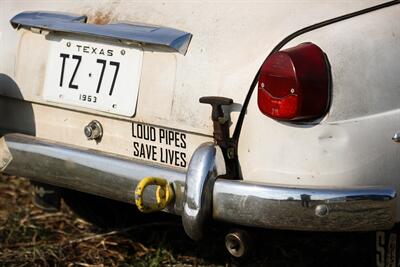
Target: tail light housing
294,84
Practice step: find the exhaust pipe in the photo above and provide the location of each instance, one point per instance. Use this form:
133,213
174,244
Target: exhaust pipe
238,243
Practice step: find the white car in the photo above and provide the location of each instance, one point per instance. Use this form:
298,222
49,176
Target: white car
270,114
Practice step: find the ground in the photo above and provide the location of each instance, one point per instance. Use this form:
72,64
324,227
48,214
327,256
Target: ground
29,237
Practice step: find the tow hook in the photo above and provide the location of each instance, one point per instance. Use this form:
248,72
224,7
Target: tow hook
164,194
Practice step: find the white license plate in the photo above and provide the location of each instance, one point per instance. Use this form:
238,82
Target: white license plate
93,75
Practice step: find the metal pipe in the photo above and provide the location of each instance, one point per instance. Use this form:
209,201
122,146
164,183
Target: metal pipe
237,242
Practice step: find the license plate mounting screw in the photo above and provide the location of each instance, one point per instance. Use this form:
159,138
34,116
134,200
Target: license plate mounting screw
93,131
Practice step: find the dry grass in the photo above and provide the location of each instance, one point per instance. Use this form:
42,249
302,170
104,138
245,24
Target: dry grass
31,237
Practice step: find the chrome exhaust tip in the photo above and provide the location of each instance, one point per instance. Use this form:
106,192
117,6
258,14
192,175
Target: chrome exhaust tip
237,243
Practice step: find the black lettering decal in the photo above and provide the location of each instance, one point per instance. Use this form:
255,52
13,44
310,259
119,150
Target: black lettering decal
176,137
139,131
63,56
176,158
101,52
136,149
86,49
110,53
162,159
159,154
142,152
162,135
183,158
170,137
166,155
94,50
79,47
133,129
154,153
71,85
146,132
116,64
170,156
103,67
148,151
152,134
183,139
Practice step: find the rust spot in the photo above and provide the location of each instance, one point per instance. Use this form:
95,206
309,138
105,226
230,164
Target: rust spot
101,18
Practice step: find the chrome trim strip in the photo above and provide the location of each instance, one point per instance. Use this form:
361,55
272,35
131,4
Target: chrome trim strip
356,209
125,32
205,165
239,202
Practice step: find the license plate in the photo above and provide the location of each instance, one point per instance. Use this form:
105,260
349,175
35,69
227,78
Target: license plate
95,75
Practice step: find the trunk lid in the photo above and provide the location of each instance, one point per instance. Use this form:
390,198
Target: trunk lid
230,42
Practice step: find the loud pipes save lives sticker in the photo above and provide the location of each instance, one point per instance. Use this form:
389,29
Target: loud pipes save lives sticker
160,145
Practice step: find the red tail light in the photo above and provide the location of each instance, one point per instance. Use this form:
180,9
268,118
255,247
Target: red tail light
294,84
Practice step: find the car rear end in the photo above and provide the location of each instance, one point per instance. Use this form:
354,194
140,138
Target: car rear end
98,106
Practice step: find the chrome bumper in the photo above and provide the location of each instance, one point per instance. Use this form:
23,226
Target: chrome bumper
239,202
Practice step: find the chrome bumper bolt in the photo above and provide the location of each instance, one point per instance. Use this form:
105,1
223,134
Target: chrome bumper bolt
396,137
93,131
321,210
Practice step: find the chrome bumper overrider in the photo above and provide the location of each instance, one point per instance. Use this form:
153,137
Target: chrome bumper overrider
200,194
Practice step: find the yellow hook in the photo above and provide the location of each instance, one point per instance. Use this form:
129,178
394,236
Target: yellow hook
164,194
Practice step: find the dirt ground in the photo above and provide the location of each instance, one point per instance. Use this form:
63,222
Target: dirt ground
31,237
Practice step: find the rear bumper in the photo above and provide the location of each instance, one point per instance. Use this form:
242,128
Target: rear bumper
197,196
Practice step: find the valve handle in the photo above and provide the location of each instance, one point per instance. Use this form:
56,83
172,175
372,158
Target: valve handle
222,138
164,194
216,102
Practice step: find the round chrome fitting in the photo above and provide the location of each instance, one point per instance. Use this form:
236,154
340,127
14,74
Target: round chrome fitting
321,210
396,137
237,243
93,131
